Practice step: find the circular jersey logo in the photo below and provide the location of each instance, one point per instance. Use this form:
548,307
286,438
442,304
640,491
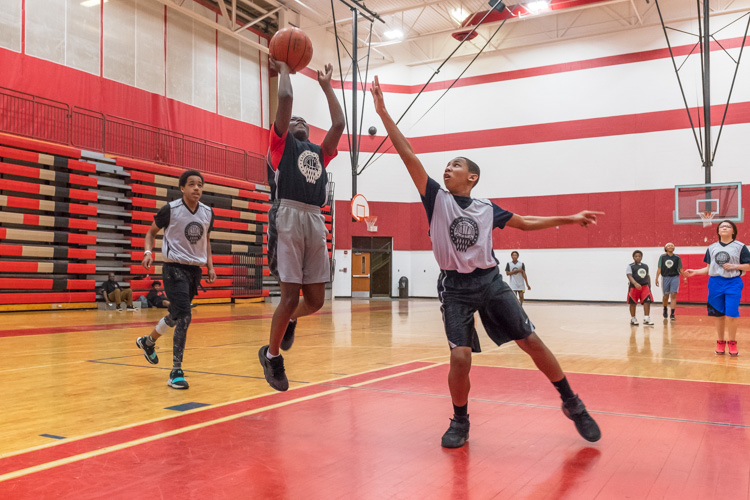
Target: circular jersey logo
464,233
193,232
642,273
721,258
669,263
309,164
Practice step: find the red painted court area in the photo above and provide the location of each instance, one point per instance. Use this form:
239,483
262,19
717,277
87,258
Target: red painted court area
377,435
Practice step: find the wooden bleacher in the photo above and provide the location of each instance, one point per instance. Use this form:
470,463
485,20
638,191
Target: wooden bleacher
69,217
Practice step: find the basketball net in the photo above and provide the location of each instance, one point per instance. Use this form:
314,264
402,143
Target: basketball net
371,221
707,218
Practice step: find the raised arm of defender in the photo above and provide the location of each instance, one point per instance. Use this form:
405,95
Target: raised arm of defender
404,149
338,122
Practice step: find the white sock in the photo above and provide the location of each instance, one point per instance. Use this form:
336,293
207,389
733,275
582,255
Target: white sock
271,356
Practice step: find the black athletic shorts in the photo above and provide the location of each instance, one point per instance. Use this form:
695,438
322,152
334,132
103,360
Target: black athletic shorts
462,295
181,284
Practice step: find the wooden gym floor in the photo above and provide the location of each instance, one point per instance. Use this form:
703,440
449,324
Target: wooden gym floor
85,416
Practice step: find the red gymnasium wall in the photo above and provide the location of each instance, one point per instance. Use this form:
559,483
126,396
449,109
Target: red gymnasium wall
631,219
78,88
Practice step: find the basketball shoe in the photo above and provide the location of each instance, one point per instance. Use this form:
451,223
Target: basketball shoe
647,321
457,433
733,348
665,312
177,379
586,426
288,340
273,370
148,351
721,346
633,321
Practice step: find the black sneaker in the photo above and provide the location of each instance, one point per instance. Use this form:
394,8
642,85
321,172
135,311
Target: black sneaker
177,379
671,316
457,433
575,410
148,352
273,370
288,340
665,313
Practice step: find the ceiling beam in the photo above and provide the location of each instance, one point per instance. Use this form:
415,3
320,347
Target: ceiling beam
213,24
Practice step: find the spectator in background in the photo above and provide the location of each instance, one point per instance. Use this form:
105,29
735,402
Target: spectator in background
639,288
115,294
156,296
670,267
516,270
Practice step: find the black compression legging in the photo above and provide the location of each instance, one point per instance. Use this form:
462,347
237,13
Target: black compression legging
181,285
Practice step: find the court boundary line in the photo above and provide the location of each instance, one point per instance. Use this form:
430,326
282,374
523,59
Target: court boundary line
129,444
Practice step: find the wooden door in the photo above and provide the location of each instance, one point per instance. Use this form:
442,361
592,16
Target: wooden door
360,274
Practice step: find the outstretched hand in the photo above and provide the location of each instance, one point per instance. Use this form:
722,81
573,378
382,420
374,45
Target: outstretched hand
377,97
586,217
324,77
278,66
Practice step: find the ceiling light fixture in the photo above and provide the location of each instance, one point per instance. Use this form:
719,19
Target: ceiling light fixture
393,34
537,6
459,14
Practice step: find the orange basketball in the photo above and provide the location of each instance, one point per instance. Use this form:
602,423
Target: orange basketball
293,47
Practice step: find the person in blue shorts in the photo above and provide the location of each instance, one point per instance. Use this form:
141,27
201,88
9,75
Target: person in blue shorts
470,281
726,261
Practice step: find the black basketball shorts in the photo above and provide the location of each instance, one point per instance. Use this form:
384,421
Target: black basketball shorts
463,295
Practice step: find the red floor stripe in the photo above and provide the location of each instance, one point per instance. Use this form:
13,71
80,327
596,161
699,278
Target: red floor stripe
72,448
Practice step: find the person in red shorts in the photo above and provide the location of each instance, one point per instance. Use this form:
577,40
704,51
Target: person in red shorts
639,289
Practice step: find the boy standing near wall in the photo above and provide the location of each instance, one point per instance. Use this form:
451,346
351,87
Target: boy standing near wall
470,281
297,235
639,289
516,271
186,247
670,268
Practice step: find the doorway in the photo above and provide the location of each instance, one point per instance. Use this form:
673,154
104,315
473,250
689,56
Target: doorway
371,266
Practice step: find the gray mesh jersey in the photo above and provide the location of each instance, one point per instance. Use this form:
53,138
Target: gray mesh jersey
462,238
186,234
717,255
516,281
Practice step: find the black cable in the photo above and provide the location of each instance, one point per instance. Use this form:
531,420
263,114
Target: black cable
341,76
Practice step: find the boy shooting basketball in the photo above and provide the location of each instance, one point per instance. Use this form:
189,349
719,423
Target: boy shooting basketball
187,225
297,247
461,233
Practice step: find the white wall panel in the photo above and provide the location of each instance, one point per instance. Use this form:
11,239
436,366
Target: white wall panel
119,41
230,81
82,37
10,24
264,83
204,61
251,87
599,272
179,57
45,29
149,46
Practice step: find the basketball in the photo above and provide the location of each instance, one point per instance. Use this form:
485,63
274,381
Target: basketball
292,46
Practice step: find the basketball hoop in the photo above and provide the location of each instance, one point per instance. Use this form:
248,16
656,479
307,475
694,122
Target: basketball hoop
707,218
371,220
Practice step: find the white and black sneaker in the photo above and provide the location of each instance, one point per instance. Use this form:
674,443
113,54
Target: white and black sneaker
633,321
177,379
148,350
647,321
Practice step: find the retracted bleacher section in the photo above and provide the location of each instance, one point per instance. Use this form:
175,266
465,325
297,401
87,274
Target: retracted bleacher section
68,217
237,239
